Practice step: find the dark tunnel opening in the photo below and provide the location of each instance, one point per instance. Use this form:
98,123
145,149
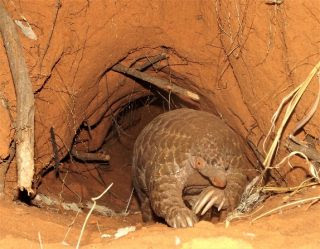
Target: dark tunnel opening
75,181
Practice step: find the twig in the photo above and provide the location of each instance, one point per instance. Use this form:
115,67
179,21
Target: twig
4,167
24,99
69,229
129,201
58,6
256,152
40,240
57,163
273,2
63,181
316,198
55,150
88,215
87,156
152,61
161,83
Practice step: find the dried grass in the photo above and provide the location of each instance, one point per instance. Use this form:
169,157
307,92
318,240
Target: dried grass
90,212
294,98
255,193
290,204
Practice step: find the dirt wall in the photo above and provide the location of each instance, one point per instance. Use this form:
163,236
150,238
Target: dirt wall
242,57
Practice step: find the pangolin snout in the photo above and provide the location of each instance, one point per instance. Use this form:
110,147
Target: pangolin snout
218,178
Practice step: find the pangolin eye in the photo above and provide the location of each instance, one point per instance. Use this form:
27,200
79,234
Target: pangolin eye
199,163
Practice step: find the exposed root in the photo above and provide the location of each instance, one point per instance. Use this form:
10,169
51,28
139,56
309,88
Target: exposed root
161,83
87,156
25,101
152,61
55,16
69,229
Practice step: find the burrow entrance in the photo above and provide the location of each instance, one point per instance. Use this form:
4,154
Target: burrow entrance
79,181
146,86
71,183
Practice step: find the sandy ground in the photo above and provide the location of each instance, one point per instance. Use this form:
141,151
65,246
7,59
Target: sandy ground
294,228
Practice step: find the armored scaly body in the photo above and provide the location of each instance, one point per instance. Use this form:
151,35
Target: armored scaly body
189,156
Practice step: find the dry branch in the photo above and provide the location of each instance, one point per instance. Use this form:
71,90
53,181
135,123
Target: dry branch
152,61
87,156
25,101
161,83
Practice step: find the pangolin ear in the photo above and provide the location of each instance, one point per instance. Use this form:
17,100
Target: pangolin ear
198,163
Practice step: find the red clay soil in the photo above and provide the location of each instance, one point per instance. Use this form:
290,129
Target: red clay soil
242,57
21,226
